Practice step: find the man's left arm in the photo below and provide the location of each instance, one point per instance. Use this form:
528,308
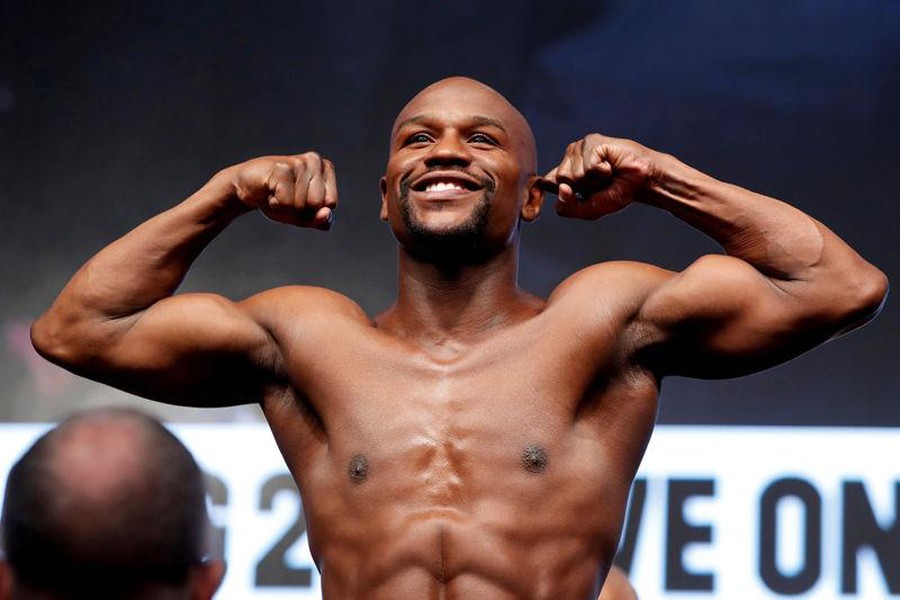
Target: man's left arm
786,284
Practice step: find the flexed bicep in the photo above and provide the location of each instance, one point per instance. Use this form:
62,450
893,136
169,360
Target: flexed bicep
721,317
188,349
118,321
787,283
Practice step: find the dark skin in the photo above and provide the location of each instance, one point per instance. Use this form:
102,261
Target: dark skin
472,441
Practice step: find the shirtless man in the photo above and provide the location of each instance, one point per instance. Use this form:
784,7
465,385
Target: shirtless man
472,441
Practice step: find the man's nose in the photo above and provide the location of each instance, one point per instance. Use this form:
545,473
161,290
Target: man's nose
448,149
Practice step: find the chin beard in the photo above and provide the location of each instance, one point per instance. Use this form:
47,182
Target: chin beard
462,243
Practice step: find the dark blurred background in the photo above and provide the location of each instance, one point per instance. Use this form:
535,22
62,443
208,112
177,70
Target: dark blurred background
112,111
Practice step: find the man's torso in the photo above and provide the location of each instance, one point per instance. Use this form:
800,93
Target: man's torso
495,469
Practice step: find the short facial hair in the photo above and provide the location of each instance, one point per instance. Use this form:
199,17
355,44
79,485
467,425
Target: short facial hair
461,243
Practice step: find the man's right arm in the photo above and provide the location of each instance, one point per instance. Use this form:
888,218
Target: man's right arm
117,320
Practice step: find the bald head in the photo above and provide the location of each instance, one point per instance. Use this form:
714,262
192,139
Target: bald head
462,96
99,458
109,500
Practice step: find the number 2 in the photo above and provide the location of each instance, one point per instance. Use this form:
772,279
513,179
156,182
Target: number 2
273,570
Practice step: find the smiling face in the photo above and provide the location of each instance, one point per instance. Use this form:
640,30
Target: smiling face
458,177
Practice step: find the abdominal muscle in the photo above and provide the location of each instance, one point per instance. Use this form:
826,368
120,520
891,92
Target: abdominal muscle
439,555
502,534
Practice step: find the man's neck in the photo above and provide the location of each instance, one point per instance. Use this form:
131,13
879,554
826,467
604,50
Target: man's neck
446,306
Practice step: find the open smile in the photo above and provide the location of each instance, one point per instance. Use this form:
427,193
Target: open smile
439,185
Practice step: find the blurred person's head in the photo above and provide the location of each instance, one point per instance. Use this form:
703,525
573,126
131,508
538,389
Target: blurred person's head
108,505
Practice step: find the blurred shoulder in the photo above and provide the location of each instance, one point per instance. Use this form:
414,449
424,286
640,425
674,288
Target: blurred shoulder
617,586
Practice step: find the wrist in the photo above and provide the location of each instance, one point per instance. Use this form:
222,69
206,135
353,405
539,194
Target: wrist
218,200
672,181
222,189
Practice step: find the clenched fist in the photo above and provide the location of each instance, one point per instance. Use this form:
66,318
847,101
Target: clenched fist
299,190
600,175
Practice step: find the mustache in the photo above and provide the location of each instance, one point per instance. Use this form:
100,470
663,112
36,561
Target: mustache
486,182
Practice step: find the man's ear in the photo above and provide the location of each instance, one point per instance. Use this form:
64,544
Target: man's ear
5,581
531,208
384,210
206,579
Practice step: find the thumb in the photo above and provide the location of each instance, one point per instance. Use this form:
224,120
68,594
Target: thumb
566,203
551,175
324,218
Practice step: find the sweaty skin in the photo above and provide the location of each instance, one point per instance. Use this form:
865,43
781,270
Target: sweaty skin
473,440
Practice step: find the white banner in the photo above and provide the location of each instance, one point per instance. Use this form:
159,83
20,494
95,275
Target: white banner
728,513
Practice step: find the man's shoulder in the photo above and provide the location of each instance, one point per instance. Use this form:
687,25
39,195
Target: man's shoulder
304,302
601,307
612,281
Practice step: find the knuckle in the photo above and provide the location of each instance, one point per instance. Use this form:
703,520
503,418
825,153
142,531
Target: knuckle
278,171
312,158
296,164
277,174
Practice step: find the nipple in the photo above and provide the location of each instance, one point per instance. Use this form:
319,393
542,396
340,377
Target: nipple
359,468
534,459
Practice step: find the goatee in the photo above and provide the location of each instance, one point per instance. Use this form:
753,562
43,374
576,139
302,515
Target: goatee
461,243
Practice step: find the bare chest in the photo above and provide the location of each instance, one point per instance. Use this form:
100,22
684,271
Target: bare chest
482,397
445,423
409,457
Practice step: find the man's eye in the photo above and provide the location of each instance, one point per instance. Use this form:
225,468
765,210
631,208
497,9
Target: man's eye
418,138
481,138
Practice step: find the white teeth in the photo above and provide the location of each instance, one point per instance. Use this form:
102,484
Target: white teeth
441,186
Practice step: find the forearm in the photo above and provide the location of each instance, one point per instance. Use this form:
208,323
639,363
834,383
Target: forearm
794,251
779,240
